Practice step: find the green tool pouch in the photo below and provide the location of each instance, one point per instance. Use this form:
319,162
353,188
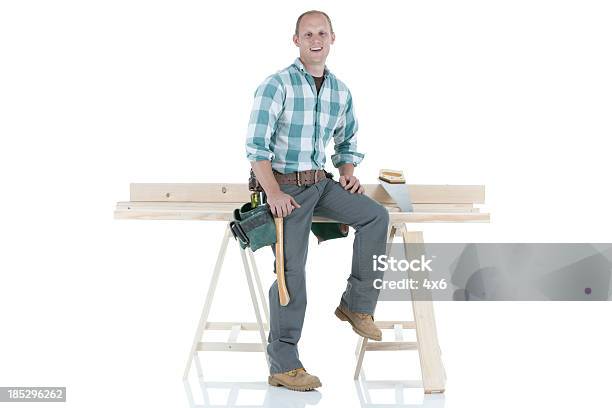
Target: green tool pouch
329,230
253,227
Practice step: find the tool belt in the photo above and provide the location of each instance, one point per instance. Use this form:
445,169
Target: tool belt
301,178
253,227
329,230
322,230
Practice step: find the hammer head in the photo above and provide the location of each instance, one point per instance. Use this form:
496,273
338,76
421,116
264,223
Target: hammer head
254,184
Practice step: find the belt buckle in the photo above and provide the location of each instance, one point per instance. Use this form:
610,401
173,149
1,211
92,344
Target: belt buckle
297,178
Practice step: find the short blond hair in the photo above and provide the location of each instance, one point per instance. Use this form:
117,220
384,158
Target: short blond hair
297,23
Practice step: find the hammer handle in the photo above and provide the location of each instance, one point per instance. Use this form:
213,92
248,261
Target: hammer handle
283,294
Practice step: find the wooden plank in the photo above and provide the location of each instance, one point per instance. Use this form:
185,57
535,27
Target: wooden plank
429,193
432,369
198,192
223,346
361,348
391,345
390,324
227,215
401,217
229,325
229,206
238,192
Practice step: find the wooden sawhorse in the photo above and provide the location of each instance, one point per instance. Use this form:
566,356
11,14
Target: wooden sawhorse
424,322
216,202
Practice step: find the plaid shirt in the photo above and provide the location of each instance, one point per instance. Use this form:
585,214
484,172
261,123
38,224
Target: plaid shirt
290,124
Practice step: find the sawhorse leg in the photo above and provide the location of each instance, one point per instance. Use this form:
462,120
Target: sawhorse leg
203,324
362,344
432,370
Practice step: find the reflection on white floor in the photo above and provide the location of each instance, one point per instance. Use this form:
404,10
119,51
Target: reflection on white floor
248,394
371,394
362,393
394,390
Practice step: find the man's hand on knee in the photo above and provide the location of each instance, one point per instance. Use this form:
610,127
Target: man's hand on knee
281,204
352,184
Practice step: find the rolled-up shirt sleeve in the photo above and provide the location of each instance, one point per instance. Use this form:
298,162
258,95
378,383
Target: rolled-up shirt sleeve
345,140
266,110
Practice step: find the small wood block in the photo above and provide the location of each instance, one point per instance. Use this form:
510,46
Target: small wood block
392,176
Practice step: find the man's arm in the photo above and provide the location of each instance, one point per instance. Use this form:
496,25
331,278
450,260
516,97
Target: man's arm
347,169
267,108
345,146
281,204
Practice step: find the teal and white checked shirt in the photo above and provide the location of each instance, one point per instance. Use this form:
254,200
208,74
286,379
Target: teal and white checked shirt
290,125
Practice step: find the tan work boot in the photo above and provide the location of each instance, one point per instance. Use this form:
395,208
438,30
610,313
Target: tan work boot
363,323
296,380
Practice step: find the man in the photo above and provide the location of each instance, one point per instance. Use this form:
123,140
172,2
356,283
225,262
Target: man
295,114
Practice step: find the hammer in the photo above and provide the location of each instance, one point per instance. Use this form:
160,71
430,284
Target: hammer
283,294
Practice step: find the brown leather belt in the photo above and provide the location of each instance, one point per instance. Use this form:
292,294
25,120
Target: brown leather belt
300,178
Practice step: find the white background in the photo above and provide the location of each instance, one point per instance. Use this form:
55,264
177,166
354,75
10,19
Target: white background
95,95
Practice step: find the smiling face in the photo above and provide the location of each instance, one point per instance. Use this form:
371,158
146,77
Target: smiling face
314,39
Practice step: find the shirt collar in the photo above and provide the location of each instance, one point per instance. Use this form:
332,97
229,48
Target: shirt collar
300,66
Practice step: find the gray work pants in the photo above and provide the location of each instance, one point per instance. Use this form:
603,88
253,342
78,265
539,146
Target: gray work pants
370,220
